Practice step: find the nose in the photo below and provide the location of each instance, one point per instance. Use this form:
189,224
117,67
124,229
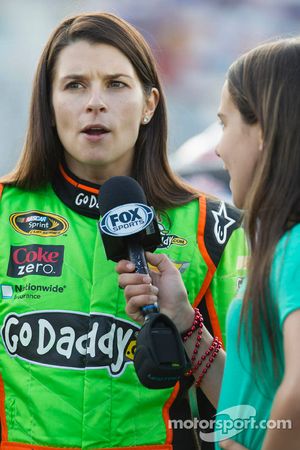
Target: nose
96,101
217,152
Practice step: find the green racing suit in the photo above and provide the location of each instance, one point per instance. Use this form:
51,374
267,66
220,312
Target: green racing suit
66,347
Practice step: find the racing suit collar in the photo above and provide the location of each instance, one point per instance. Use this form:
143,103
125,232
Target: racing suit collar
79,195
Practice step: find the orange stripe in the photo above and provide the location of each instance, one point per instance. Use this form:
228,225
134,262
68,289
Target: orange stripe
1,190
20,446
201,228
213,315
203,289
166,413
78,185
201,244
2,410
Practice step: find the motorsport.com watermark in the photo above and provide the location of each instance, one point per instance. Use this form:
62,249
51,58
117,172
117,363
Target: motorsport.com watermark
229,423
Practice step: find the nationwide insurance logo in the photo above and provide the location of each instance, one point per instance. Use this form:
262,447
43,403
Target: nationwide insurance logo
7,291
229,423
29,291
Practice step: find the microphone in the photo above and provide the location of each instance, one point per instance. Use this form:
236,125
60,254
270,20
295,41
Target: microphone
128,226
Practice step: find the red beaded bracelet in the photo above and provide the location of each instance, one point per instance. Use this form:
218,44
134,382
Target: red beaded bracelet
198,323
211,353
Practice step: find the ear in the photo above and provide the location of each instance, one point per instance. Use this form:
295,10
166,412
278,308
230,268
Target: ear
151,102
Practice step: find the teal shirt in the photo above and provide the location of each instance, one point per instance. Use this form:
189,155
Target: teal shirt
250,402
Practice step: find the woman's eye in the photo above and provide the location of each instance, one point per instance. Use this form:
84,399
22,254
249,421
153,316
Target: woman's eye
74,85
116,84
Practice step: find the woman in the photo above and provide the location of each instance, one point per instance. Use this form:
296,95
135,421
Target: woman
259,111
66,361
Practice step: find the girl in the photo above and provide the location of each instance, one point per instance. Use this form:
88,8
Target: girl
259,112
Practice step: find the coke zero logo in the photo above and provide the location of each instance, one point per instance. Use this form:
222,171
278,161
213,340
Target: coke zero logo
35,259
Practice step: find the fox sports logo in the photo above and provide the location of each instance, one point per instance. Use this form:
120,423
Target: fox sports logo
126,219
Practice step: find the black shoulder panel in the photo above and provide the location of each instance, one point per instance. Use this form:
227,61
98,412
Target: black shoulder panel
221,220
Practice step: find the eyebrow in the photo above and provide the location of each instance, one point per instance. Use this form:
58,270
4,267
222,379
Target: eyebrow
76,76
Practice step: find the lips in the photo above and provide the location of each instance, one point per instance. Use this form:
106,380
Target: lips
95,130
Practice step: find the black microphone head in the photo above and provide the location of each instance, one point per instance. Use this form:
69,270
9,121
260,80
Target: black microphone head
118,191
126,215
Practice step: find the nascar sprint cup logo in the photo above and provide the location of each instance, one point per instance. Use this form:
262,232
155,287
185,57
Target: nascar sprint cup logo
38,223
126,219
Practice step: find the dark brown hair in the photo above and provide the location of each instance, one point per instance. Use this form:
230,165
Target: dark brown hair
43,150
265,86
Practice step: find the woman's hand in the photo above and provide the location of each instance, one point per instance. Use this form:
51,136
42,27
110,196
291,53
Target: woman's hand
164,286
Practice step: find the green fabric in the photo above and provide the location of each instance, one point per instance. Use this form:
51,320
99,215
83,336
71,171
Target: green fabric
238,386
230,272
84,407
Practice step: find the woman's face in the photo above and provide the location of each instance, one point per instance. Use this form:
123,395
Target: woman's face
239,147
98,107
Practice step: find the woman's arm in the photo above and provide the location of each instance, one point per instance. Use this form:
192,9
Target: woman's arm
166,287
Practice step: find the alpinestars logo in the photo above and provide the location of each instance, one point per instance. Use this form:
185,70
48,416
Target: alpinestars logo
45,260
70,340
222,223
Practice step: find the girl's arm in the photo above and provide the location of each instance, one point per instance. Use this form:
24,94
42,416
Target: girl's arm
286,405
166,287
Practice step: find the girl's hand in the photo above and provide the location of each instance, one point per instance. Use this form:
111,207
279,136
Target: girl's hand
164,286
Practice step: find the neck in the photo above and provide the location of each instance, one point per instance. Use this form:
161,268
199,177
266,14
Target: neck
78,194
98,174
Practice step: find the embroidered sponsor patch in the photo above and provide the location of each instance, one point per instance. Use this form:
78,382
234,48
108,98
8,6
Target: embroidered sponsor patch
87,200
29,291
35,259
70,340
181,266
168,239
38,223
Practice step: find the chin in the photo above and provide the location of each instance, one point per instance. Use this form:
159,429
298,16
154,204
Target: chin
237,201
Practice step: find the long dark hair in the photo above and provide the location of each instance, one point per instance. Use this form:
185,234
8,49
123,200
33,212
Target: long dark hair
43,150
265,86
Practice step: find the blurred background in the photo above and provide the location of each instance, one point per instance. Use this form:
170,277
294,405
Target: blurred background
194,42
